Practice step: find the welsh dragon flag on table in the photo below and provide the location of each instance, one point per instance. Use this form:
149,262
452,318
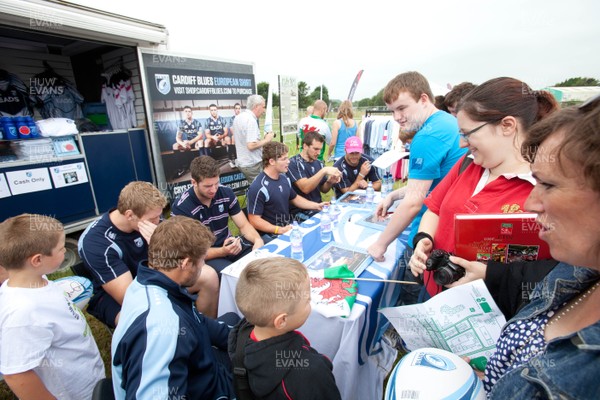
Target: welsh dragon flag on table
333,291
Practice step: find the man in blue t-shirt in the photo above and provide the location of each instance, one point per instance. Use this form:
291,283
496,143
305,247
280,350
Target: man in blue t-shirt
356,168
271,193
308,175
434,149
113,246
213,204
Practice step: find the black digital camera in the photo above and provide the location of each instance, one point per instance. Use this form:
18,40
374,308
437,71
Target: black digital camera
444,271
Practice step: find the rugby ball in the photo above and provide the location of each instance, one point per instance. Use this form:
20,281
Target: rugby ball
77,289
430,373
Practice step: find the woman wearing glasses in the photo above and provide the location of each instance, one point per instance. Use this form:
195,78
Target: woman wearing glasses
493,119
551,348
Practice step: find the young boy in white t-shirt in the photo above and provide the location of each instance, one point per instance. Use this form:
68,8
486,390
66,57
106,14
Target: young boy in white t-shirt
46,347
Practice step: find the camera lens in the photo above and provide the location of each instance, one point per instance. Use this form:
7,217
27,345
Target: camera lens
444,276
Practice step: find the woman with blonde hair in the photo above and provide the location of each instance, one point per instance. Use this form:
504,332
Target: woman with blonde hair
343,127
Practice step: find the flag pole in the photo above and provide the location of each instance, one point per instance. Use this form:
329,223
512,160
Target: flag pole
379,280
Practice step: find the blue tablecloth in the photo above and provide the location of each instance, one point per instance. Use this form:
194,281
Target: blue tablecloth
361,360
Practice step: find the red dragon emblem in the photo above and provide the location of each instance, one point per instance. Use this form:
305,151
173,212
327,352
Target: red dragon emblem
333,290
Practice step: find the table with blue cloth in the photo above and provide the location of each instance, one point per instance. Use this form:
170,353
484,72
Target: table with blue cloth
361,360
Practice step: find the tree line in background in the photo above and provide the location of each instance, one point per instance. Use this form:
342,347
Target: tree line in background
306,97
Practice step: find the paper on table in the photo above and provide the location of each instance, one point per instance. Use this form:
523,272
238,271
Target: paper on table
464,320
236,268
388,158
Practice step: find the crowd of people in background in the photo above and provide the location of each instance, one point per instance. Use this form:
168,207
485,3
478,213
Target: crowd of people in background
496,147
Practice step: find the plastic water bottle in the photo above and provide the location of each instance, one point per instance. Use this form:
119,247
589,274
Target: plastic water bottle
370,194
296,240
334,212
385,188
325,225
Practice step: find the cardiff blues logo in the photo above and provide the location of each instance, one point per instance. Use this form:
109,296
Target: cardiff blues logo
139,242
434,361
163,83
56,170
28,174
221,208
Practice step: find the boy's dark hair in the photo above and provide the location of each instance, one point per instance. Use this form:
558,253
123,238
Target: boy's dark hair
26,235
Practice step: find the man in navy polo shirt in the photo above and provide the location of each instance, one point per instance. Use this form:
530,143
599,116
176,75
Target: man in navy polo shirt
308,175
213,204
271,193
113,246
217,133
356,169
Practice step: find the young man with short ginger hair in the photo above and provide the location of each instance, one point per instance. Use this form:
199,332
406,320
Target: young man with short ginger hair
434,149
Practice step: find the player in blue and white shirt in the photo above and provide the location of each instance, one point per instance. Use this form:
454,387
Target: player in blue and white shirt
356,169
217,133
113,246
271,193
213,204
189,133
308,175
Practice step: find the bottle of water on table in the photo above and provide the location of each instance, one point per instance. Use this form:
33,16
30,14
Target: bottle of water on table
385,189
370,194
296,241
334,212
325,225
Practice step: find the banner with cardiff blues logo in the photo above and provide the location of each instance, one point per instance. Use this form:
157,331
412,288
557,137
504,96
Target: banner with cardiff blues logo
193,100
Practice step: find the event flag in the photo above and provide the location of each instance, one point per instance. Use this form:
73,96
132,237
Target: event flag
354,85
333,291
269,111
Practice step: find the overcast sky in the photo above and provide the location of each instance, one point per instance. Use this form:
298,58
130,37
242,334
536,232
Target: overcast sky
541,42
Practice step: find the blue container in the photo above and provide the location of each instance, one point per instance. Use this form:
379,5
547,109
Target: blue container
10,130
23,129
32,128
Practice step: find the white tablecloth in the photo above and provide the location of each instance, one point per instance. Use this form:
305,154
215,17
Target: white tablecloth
361,361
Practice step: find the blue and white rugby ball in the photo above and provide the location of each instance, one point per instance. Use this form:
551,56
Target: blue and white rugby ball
77,288
430,373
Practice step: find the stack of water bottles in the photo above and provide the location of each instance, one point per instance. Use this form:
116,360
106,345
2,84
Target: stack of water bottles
18,128
387,185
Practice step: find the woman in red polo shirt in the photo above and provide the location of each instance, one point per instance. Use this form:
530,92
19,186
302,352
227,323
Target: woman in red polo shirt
492,119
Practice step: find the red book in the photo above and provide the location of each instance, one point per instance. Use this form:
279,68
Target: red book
499,237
